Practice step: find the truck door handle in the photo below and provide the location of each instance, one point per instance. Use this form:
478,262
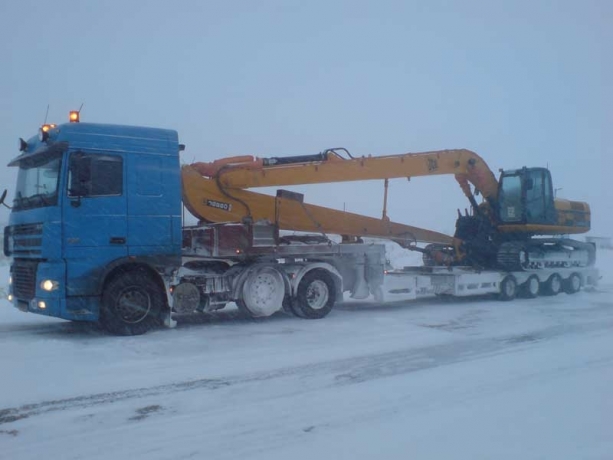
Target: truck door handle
118,240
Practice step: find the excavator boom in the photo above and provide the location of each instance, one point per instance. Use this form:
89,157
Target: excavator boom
207,201
247,172
222,184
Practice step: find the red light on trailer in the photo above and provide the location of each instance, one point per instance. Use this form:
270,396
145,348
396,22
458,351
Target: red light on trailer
74,116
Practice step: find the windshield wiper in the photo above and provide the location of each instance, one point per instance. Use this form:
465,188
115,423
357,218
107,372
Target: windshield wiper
33,201
20,201
42,198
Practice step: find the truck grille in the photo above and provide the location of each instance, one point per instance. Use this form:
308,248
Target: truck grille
24,279
23,240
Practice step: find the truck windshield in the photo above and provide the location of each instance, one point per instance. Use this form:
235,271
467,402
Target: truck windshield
37,182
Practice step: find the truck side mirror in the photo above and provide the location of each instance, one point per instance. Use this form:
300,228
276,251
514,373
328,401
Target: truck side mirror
529,184
2,198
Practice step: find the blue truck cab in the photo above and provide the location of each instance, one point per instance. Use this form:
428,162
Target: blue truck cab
95,222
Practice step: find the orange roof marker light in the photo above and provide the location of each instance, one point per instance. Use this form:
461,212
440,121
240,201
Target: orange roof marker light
74,116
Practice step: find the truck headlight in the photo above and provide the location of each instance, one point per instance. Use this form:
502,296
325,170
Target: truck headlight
49,285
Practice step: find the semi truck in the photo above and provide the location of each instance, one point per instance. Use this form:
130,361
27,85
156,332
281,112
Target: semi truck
96,232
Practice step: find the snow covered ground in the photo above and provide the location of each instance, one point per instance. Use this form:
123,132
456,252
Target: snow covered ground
473,379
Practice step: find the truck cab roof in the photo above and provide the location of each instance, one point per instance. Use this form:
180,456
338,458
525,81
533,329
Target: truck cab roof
103,137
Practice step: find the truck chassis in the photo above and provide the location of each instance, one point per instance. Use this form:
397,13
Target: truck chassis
263,275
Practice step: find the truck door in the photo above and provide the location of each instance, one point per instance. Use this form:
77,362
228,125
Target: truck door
94,222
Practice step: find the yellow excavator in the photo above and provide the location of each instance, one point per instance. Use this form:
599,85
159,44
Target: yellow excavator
498,233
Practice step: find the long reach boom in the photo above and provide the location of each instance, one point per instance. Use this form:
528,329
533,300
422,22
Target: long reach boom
215,192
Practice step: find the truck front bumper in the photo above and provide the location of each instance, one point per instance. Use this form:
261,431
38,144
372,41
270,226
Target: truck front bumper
41,288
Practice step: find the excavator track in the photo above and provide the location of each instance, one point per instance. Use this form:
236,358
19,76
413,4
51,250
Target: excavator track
540,253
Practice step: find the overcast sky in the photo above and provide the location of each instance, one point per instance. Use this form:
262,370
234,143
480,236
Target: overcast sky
523,83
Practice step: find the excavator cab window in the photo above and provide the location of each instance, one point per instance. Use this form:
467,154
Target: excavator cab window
510,198
539,197
526,196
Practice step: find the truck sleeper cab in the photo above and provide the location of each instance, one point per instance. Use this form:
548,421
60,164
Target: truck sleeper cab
92,201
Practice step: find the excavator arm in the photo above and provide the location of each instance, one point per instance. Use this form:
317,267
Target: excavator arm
216,191
248,172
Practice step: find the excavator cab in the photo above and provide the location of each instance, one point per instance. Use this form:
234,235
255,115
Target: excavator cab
525,196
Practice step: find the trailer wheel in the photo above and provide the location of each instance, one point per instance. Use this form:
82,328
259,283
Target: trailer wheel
530,289
131,304
573,284
553,285
508,288
315,296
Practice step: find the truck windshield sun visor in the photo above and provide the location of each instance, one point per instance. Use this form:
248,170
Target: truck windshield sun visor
56,148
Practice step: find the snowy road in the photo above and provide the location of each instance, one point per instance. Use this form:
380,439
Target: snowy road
422,379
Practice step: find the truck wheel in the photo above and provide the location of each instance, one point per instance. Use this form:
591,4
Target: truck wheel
262,293
315,296
572,284
242,308
508,288
553,285
131,304
295,308
530,289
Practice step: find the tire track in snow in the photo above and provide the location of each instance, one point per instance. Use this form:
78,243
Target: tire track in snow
347,371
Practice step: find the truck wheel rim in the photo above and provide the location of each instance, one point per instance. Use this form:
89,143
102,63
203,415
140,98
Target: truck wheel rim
555,284
263,293
317,294
575,282
263,288
533,286
133,305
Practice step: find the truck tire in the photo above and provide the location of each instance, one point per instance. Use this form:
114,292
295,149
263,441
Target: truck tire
572,285
242,309
531,288
131,304
508,288
262,293
553,285
315,296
